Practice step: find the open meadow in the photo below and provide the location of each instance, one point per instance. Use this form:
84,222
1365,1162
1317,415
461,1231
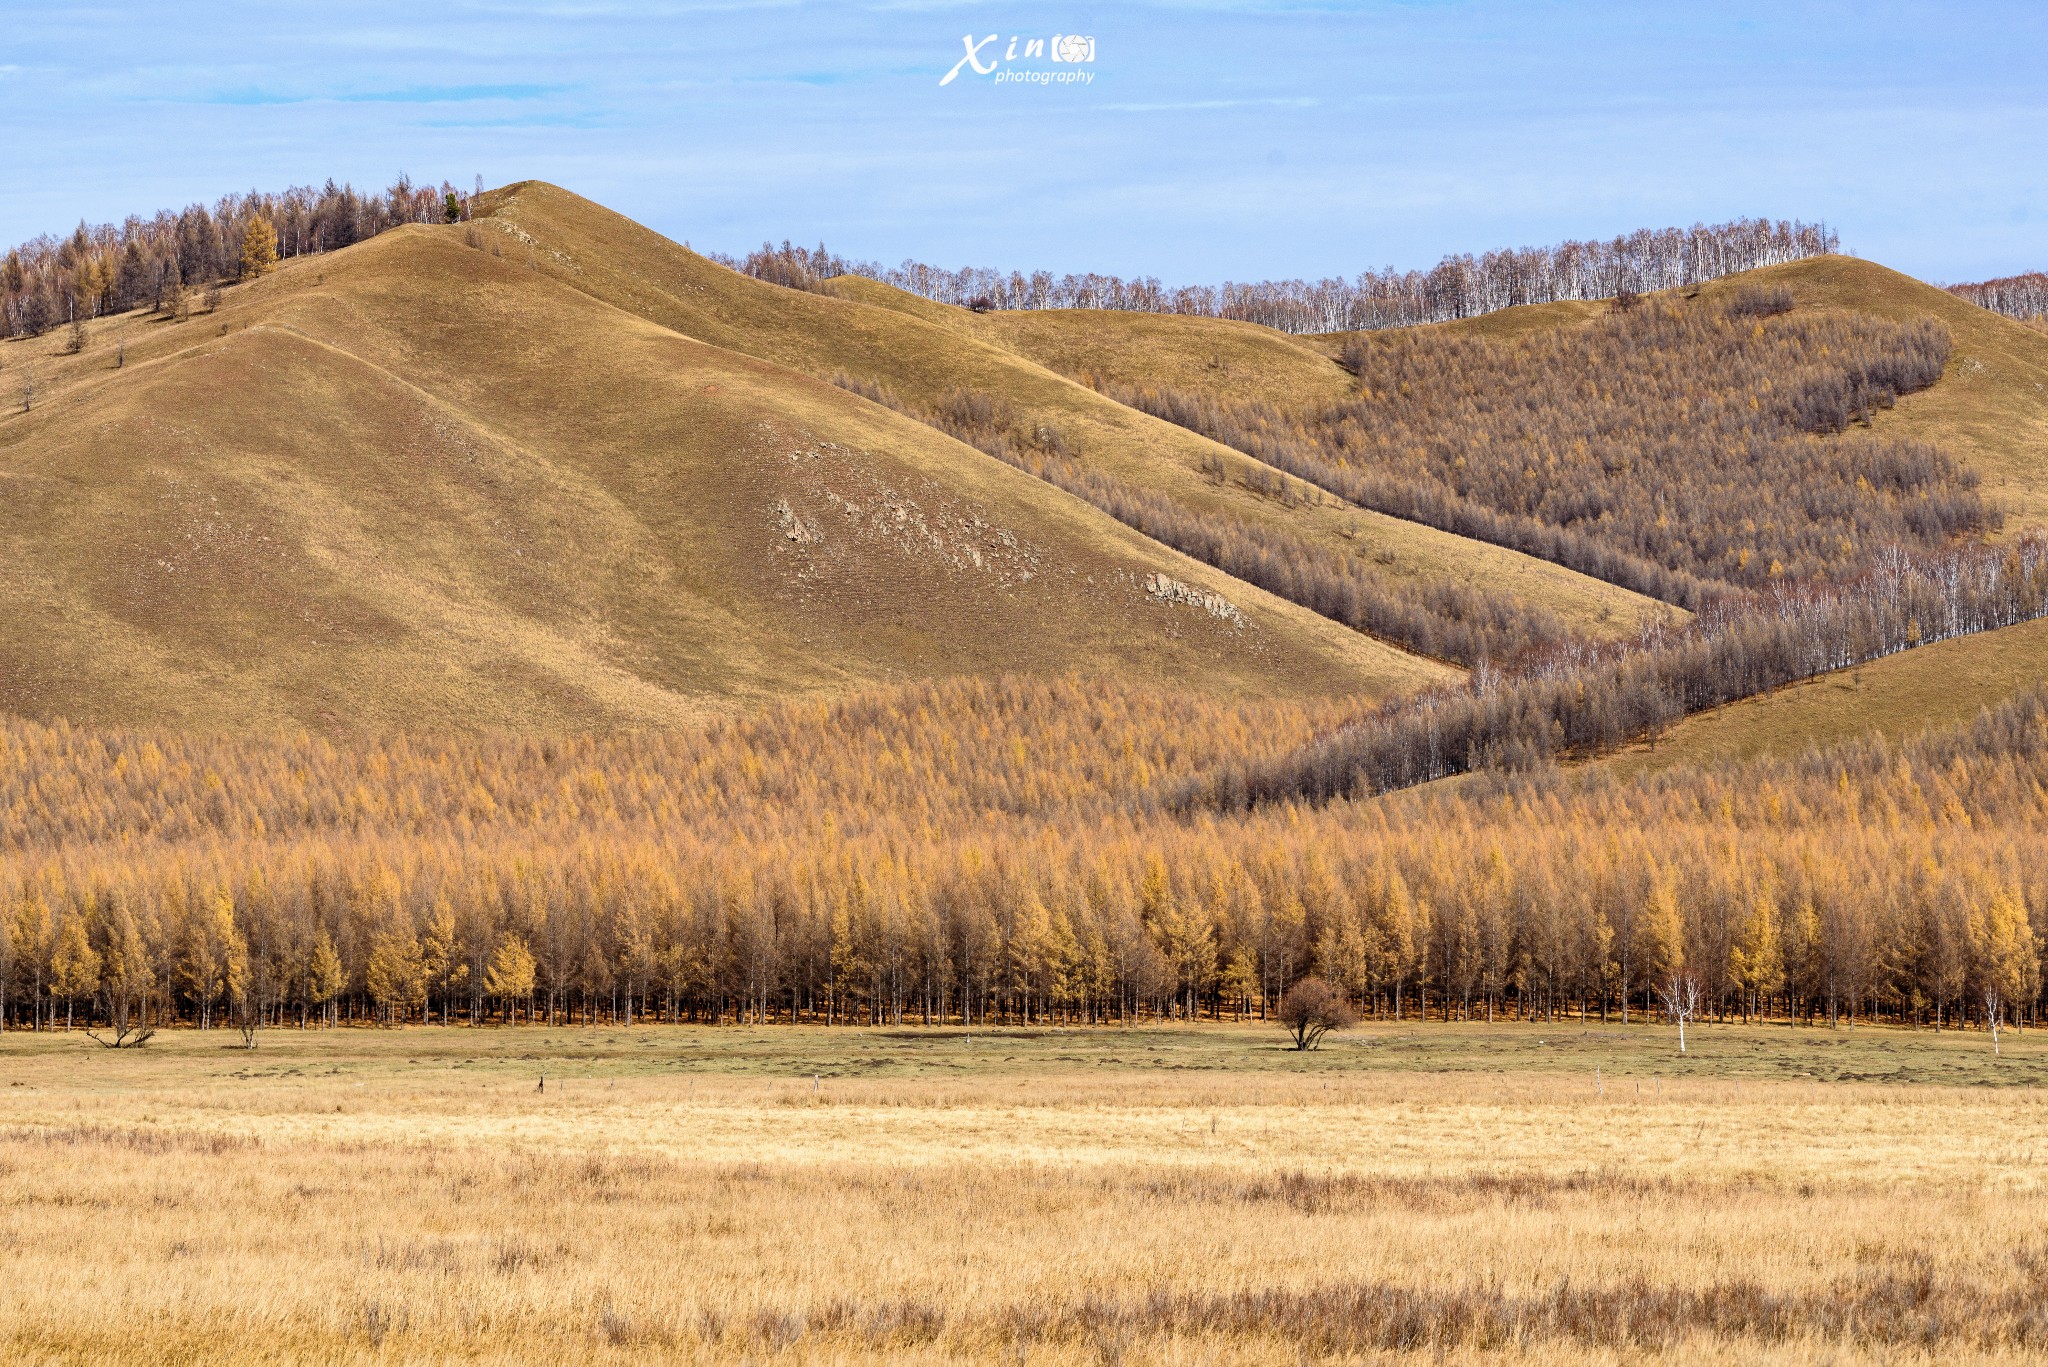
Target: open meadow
1206,771
1549,1193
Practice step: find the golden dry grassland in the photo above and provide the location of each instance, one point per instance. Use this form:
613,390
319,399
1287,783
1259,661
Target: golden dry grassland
418,485
1408,1194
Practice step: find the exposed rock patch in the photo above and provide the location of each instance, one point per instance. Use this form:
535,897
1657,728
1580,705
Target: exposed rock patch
794,528
837,493
1166,589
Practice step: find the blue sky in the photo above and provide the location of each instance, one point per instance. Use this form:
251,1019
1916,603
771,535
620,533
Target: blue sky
1215,141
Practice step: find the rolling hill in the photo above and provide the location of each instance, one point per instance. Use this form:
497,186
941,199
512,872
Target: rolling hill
1990,408
417,483
1977,415
924,351
551,469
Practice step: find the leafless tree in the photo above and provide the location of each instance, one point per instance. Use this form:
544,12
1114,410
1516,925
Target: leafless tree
127,1027
1311,1009
251,992
1457,287
1681,994
247,1020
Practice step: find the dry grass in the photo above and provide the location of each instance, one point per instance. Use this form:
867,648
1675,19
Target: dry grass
1217,356
922,351
1900,696
1021,1197
417,484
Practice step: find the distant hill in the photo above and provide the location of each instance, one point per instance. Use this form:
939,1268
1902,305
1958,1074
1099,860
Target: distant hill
422,483
1991,410
550,469
922,351
1991,407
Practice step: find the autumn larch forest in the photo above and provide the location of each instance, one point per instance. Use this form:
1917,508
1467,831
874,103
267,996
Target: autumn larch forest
1054,848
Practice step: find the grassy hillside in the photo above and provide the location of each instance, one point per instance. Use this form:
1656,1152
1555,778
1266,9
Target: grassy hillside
922,351
1900,696
556,470
1991,406
1217,355
419,484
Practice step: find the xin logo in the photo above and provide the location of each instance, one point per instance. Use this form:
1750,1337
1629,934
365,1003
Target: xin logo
986,57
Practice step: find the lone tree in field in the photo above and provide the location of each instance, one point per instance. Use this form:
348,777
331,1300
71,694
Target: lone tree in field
1681,993
259,248
1311,1009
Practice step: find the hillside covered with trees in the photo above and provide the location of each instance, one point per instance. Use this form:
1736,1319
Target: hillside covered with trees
1674,447
114,267
542,622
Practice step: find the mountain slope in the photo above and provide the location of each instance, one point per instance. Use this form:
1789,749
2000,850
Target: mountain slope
1897,697
923,352
1990,407
418,484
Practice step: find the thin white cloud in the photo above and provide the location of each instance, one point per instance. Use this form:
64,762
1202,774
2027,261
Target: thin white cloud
1149,108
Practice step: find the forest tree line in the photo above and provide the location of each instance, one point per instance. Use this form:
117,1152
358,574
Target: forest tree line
997,851
1587,700
111,268
1459,286
2024,297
